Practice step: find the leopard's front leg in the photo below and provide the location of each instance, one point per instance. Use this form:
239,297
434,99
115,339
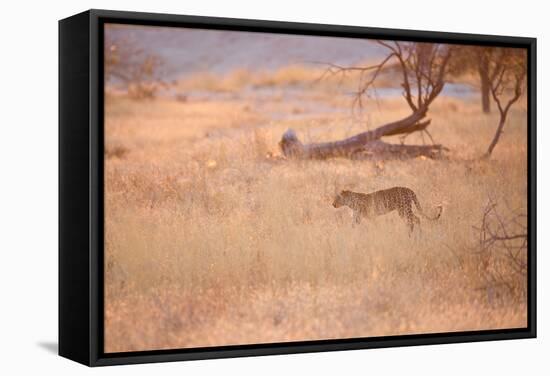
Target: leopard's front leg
356,218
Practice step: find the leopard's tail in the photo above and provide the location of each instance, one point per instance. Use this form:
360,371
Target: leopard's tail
421,211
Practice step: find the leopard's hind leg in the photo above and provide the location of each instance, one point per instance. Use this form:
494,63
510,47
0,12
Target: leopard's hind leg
406,213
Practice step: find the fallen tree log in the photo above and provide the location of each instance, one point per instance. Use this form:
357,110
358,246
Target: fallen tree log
351,148
366,144
382,150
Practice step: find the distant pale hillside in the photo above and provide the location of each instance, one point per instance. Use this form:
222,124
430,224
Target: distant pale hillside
190,50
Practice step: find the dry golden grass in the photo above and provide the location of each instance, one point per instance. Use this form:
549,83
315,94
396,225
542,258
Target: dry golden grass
209,242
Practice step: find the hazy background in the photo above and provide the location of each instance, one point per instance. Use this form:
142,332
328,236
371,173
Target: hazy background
190,50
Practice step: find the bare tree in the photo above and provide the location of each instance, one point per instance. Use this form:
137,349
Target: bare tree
482,59
137,70
475,59
423,67
507,75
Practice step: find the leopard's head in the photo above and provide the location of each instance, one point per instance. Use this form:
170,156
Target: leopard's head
340,199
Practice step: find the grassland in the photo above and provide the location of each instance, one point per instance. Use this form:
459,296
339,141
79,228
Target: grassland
211,239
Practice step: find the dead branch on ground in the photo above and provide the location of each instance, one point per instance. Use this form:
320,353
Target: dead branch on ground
502,247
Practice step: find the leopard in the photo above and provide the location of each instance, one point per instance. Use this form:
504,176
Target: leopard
374,204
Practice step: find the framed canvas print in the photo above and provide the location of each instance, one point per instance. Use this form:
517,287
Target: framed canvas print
236,187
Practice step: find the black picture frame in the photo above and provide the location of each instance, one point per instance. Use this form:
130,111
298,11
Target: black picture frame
81,187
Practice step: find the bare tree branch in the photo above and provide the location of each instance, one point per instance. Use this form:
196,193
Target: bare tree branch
502,251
